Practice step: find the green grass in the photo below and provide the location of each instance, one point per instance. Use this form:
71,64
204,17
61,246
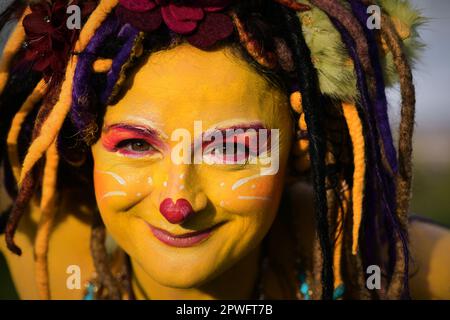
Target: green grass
431,193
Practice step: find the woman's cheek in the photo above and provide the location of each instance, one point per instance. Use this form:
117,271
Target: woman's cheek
118,190
249,195
249,203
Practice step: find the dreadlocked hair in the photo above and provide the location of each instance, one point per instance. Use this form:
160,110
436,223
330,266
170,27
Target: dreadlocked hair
344,149
311,102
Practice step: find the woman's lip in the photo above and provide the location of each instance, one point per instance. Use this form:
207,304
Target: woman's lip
182,241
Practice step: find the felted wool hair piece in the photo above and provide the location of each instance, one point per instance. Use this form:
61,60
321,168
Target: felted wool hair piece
329,55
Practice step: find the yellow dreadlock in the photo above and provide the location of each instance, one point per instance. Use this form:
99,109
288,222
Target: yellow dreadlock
46,143
56,118
19,118
48,211
356,134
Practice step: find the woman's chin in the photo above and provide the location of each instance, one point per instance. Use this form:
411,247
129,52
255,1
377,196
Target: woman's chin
182,274
190,265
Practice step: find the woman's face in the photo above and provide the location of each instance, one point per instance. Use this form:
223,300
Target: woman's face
182,195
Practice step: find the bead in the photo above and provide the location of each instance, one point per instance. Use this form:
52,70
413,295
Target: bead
338,292
307,292
304,288
91,289
296,102
303,145
302,122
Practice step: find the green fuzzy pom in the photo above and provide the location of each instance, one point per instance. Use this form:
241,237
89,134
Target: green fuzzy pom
336,73
337,77
410,17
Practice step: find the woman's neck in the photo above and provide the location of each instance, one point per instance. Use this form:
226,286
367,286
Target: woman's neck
236,283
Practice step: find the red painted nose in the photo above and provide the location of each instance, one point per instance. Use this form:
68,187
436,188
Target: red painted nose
176,212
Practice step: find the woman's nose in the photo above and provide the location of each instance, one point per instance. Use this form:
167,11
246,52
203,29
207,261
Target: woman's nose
176,212
178,198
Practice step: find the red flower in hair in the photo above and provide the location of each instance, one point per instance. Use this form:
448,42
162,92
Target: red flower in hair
201,21
48,40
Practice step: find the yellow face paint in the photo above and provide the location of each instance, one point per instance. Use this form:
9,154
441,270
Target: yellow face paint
135,172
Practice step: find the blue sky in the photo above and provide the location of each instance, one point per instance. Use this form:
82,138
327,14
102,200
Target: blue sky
432,74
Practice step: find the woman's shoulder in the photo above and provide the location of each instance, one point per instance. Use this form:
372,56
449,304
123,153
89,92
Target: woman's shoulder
430,259
69,246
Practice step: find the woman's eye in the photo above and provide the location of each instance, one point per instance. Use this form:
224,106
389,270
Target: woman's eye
228,153
135,146
235,150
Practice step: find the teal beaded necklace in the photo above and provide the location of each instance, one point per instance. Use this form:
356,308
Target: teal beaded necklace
306,292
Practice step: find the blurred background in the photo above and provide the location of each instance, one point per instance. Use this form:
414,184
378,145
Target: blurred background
431,190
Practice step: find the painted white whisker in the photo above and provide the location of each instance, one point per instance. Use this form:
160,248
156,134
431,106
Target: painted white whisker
245,180
253,198
118,178
114,194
